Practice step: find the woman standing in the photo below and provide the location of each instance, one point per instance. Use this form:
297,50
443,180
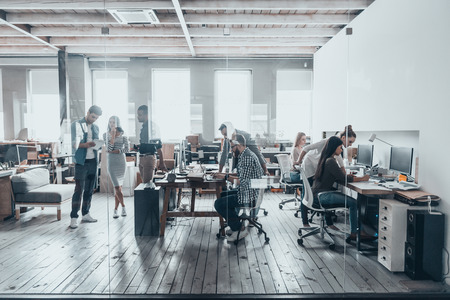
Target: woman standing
117,147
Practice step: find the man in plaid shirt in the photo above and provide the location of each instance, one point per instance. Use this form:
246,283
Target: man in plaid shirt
248,168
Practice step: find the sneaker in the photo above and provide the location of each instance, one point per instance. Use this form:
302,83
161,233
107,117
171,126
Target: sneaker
234,236
87,218
124,212
115,214
228,231
73,223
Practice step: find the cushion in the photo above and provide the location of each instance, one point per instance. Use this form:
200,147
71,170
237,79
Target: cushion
30,180
50,193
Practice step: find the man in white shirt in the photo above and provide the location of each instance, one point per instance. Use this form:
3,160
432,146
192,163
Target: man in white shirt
84,133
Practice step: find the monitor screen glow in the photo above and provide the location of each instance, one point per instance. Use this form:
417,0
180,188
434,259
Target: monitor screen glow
365,155
401,159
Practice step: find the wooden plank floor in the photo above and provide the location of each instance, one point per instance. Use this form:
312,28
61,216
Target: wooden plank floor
40,255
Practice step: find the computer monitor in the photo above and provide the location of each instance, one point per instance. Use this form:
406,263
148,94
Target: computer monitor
401,159
365,155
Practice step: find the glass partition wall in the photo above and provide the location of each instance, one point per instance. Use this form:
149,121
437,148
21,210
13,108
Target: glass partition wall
273,99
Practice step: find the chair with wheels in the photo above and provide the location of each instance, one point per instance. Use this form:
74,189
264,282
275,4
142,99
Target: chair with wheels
308,201
285,163
248,215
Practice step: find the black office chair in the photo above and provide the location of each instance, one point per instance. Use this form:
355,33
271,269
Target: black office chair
308,201
285,163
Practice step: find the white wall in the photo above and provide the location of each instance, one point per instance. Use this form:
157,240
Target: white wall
398,66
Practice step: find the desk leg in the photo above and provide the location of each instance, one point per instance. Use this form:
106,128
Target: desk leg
193,200
164,212
358,217
222,223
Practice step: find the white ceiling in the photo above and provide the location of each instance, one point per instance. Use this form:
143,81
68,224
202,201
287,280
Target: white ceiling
187,28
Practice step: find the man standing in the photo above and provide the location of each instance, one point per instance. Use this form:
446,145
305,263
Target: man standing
248,168
228,131
150,143
84,132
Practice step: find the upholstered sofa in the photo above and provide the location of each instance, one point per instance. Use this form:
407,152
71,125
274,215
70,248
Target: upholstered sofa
33,189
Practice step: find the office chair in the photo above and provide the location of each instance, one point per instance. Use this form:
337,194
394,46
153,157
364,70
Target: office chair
248,214
308,201
285,163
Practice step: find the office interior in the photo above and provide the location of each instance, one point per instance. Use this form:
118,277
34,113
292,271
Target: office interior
388,77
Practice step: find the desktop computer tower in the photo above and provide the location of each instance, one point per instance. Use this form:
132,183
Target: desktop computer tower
424,244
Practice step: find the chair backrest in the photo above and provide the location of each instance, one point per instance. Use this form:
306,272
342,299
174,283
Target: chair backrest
285,163
261,185
308,197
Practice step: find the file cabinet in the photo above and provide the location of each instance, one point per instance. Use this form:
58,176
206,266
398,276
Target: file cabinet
392,233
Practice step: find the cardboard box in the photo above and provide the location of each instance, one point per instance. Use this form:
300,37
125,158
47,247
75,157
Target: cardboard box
192,139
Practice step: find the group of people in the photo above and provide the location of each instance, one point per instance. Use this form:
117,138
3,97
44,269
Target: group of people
84,133
322,161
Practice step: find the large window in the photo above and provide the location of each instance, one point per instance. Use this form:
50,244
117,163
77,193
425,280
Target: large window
293,109
233,97
43,116
111,94
171,109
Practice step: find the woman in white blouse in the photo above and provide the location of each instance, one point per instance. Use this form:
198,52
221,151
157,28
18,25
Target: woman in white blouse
300,141
117,147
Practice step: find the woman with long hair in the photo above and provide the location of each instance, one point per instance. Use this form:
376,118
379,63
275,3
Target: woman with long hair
311,161
300,141
117,147
328,172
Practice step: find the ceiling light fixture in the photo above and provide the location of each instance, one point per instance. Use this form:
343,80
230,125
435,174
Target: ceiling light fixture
134,16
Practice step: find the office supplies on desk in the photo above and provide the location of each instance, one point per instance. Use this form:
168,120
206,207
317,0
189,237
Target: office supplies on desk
402,185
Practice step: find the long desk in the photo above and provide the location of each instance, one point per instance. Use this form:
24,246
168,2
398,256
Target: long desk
183,183
364,188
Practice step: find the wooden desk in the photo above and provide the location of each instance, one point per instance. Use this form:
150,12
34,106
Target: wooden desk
364,188
6,194
183,183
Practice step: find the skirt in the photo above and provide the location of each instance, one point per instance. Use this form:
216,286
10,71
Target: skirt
116,168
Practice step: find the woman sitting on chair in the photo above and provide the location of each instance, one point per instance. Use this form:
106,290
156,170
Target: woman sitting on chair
328,172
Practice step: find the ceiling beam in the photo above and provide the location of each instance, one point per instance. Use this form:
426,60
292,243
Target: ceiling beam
171,42
191,4
127,49
240,50
24,29
19,41
34,50
176,4
221,19
177,32
113,31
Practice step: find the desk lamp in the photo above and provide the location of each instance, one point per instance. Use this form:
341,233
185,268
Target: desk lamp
374,136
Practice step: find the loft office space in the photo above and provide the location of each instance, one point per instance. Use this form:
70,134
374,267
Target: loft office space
382,85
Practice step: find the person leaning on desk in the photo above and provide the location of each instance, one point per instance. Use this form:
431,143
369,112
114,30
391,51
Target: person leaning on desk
328,172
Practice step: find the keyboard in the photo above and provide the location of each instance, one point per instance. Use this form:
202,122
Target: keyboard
382,178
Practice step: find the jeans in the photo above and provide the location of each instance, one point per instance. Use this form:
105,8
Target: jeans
338,200
226,207
85,176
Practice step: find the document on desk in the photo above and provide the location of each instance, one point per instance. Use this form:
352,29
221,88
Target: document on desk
98,144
